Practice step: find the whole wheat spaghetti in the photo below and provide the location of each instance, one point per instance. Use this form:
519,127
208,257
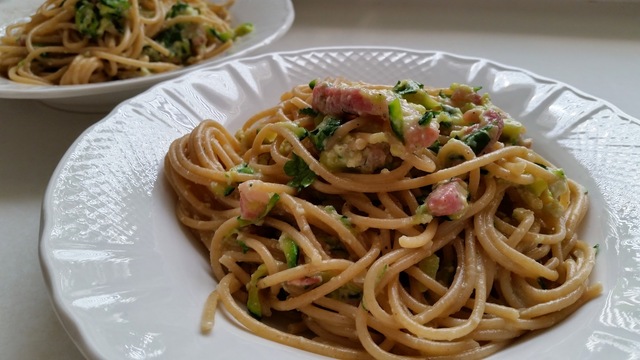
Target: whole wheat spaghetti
70,42
385,222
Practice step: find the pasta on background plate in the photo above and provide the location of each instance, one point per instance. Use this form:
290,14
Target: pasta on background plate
384,221
70,42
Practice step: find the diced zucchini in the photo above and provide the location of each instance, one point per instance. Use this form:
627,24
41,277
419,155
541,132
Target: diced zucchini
404,87
299,131
511,131
413,92
559,173
270,205
253,301
244,29
290,250
537,187
430,265
421,97
396,118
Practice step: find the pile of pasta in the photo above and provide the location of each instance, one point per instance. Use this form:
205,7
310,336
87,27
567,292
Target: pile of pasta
384,221
68,42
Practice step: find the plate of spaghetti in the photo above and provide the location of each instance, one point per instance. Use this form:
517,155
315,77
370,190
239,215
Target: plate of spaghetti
71,53
349,203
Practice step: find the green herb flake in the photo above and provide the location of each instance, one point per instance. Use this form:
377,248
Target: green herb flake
382,272
309,111
404,87
342,218
451,110
243,168
478,140
302,175
243,246
228,190
176,42
181,8
446,124
435,147
92,19
428,116
323,131
273,200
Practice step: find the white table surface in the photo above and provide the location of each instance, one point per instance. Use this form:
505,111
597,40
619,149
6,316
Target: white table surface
593,46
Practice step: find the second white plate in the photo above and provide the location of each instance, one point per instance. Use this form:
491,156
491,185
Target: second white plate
271,19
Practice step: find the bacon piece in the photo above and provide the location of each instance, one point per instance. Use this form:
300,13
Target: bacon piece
376,156
494,117
463,95
339,98
421,136
491,121
253,199
448,199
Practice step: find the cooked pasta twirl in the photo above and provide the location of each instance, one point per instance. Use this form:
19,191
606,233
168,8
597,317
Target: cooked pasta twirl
68,42
384,221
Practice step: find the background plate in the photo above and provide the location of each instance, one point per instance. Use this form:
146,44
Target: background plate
271,18
128,282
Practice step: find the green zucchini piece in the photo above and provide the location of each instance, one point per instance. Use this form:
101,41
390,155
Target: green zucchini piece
396,118
290,250
430,265
270,205
253,301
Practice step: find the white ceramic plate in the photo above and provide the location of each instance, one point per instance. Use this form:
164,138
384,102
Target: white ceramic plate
271,18
128,282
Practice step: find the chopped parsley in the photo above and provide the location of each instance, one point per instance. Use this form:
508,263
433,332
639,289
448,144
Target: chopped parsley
478,140
243,168
181,8
427,117
323,131
93,18
404,87
302,175
308,111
